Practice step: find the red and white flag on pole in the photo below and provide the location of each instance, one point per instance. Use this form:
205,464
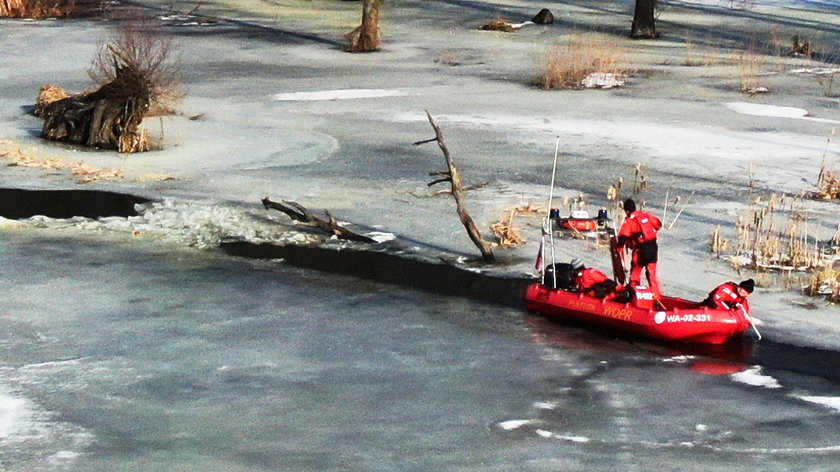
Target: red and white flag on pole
539,264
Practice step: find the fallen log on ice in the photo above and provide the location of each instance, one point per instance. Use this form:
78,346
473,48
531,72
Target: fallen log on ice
301,214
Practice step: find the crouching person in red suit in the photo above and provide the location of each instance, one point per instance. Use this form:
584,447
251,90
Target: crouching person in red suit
594,283
728,296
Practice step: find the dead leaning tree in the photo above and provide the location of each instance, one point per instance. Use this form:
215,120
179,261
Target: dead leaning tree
454,178
301,214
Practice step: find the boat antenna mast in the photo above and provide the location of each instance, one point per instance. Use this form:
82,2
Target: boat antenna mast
547,221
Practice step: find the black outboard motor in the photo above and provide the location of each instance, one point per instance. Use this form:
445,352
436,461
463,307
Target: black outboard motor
560,276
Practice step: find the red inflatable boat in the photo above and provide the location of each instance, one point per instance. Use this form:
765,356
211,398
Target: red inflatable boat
667,319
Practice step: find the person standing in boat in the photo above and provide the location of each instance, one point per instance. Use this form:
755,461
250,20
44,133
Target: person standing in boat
728,296
638,233
594,283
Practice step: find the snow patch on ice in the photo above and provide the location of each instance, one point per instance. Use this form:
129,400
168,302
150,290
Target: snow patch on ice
602,80
14,413
817,71
63,458
347,94
515,424
831,402
774,111
7,223
755,378
381,237
757,109
563,437
679,359
29,434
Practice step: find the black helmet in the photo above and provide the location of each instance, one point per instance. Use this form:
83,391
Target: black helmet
748,285
629,205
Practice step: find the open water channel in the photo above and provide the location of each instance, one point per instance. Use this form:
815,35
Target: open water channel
126,353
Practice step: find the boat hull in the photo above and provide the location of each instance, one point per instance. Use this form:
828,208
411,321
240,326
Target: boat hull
675,319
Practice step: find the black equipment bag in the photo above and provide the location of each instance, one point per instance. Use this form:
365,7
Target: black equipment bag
560,276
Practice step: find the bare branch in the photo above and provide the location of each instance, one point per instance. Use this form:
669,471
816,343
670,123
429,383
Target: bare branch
438,181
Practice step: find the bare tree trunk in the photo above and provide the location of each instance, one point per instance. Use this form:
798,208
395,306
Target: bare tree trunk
366,37
454,178
644,26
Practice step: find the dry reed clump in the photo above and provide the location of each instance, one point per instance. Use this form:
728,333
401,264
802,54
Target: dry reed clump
828,186
825,282
567,64
778,235
719,244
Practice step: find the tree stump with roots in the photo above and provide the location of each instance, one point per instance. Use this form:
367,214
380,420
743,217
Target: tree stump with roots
108,118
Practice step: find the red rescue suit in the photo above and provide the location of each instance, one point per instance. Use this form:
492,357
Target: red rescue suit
638,233
726,297
593,282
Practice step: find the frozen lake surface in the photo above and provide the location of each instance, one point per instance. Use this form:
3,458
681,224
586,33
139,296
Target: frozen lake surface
126,354
126,350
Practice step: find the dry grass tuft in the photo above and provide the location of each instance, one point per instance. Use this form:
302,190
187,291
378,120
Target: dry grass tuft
566,64
140,63
49,93
40,9
750,68
778,234
137,141
699,56
499,24
828,183
81,171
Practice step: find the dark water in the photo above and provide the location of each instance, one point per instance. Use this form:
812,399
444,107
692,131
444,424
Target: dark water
127,354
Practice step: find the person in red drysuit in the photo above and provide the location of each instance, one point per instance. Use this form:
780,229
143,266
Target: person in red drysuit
728,295
638,233
593,282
